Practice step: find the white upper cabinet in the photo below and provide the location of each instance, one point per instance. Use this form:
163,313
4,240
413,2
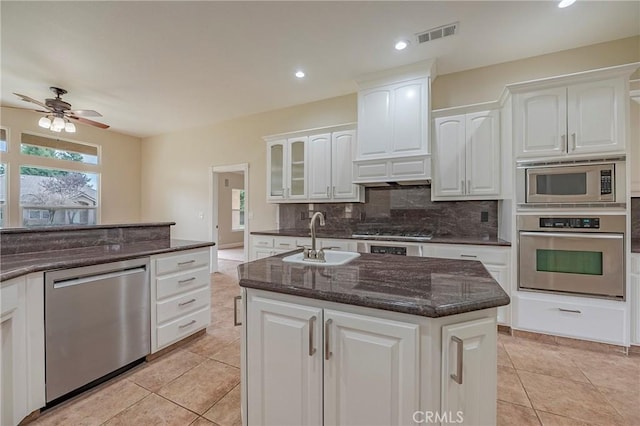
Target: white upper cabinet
393,125
467,156
314,166
575,119
634,141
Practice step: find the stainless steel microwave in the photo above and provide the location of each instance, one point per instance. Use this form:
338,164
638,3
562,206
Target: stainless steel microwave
591,183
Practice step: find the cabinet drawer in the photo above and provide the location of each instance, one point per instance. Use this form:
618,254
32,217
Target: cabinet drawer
583,321
182,282
282,243
341,245
182,304
262,241
181,262
635,263
488,255
182,327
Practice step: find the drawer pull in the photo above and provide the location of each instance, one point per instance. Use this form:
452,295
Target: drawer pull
312,325
284,244
188,302
459,361
188,280
235,310
186,262
473,256
187,324
263,243
573,311
327,348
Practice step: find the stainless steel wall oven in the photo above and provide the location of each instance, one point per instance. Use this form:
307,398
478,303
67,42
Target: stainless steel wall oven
575,255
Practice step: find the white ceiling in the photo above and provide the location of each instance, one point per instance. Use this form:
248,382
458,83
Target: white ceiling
156,67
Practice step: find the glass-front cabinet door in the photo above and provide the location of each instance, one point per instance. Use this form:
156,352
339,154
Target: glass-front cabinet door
297,166
276,176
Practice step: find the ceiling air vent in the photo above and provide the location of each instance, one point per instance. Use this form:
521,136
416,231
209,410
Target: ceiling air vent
436,33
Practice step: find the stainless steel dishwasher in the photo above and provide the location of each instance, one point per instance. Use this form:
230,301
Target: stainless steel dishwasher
97,320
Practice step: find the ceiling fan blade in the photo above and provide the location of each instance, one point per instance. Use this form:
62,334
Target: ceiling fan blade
28,99
86,113
27,109
89,122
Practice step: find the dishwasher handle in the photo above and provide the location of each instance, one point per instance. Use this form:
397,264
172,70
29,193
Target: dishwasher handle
91,278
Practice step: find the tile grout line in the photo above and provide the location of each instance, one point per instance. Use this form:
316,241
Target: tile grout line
221,398
129,406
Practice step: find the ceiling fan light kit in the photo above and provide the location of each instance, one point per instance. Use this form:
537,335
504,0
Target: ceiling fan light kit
59,113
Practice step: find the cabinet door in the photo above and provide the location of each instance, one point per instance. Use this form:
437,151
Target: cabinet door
374,122
320,166
284,363
409,118
371,368
483,153
541,123
276,174
297,169
596,114
469,371
634,140
635,308
449,156
343,146
501,274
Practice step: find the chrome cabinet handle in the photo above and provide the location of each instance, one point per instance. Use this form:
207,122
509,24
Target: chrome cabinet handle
328,195
187,262
187,324
563,141
284,244
573,311
573,141
188,280
469,186
187,302
334,192
235,311
464,191
459,354
312,324
473,256
327,327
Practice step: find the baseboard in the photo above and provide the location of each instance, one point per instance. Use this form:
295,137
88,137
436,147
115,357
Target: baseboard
570,342
230,245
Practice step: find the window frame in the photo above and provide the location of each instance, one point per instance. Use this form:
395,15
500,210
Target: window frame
241,226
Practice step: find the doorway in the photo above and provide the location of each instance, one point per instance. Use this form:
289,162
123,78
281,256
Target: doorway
230,213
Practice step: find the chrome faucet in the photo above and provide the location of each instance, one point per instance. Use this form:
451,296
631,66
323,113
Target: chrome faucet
312,225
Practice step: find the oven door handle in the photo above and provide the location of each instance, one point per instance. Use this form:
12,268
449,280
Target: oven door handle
600,236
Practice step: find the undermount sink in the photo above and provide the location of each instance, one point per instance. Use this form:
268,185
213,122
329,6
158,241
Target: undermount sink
332,258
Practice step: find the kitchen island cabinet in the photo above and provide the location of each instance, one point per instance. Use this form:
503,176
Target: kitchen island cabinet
361,344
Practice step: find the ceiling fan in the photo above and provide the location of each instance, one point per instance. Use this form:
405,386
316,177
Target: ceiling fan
60,114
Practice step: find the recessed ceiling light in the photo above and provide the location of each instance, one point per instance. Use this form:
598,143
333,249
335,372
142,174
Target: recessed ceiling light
565,3
402,44
300,74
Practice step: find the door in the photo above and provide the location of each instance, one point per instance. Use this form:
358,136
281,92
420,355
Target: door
370,370
342,151
374,122
469,371
483,153
320,166
449,179
541,123
596,116
572,262
409,118
297,169
284,363
276,173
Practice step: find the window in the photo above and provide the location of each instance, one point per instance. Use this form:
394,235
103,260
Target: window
57,197
41,146
237,209
3,140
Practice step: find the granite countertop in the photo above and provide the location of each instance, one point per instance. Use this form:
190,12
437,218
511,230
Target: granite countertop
422,286
15,265
635,245
56,228
347,235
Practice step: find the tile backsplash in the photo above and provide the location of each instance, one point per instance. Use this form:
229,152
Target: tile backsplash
407,208
635,217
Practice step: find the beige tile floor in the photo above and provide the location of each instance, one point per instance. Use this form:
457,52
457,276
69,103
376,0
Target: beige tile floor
198,384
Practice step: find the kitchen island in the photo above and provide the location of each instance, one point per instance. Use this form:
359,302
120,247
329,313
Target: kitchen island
382,340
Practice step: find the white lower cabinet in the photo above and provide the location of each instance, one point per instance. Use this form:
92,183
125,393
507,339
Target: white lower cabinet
22,352
635,298
310,362
495,259
180,296
265,246
469,372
